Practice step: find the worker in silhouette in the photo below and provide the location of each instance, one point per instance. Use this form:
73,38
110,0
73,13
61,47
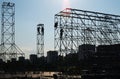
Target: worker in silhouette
61,33
38,30
56,24
42,30
8,4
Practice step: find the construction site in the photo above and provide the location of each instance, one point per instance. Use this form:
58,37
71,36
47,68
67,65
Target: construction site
86,46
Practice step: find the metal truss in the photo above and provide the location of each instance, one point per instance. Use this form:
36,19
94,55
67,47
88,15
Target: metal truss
75,27
40,40
8,47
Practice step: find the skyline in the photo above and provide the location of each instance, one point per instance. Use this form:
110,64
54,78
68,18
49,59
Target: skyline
29,13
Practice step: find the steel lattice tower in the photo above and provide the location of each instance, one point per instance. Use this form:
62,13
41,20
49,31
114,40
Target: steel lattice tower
40,40
8,47
75,27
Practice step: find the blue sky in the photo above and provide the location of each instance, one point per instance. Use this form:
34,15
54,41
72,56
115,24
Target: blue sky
31,12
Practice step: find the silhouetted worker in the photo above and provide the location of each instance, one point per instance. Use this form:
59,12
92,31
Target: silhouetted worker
8,4
56,24
61,33
42,30
38,30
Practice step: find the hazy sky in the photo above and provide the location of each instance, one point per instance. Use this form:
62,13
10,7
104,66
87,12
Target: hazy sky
29,13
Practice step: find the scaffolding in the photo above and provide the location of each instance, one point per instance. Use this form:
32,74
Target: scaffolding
75,27
40,40
9,49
